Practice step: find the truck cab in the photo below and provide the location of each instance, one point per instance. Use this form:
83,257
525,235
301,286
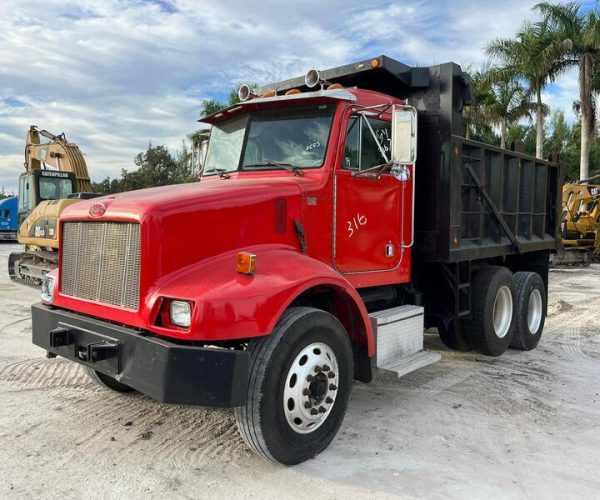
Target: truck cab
355,214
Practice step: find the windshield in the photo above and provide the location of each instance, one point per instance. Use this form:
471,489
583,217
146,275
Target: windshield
271,139
52,188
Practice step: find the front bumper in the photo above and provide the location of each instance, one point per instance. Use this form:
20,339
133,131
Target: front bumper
163,370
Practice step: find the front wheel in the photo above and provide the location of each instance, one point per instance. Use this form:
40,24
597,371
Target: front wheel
107,382
299,386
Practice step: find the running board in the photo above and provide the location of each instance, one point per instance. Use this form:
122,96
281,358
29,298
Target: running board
399,340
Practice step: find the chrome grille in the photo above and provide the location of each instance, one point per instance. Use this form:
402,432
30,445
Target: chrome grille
101,262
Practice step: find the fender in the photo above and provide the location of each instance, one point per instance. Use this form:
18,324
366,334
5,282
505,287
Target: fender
229,305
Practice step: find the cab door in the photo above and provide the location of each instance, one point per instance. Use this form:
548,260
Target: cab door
367,211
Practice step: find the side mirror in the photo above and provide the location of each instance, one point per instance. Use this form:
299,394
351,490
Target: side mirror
404,135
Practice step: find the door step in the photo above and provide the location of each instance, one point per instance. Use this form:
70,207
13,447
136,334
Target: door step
399,340
413,362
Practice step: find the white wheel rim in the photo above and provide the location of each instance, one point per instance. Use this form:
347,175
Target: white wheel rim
310,388
534,311
503,311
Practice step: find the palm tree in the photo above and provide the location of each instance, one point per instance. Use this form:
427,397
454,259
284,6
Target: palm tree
534,58
473,116
582,32
507,103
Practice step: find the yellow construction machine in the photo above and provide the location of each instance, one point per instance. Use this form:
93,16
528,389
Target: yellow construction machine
580,226
55,177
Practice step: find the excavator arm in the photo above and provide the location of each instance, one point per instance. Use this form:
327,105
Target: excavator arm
56,154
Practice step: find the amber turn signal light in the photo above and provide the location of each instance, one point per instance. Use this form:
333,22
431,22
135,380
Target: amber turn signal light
374,63
245,263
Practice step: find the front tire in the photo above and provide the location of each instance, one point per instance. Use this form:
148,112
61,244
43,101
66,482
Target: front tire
299,386
531,311
492,322
107,382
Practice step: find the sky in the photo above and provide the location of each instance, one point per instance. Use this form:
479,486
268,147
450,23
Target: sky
116,74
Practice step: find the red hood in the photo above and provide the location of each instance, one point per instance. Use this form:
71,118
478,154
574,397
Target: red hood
210,194
184,224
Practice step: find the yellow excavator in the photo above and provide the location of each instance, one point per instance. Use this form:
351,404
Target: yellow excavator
55,177
580,225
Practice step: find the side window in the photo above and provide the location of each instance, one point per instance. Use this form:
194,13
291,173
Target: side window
361,150
24,194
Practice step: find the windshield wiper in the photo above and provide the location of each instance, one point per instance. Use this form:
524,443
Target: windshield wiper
270,163
221,171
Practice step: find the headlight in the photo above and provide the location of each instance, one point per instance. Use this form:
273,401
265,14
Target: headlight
181,313
48,288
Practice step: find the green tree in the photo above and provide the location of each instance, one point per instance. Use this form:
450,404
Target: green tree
506,103
156,167
474,120
210,106
581,33
533,57
559,139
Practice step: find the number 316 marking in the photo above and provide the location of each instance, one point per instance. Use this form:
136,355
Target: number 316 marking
355,224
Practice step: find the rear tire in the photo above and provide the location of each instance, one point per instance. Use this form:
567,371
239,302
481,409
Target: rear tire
530,310
107,382
490,329
287,419
455,336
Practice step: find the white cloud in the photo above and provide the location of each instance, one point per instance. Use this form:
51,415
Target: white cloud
114,74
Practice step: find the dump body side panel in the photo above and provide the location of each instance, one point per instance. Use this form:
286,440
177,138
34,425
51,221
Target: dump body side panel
475,201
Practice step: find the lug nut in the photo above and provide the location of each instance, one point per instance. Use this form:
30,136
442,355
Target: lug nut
331,375
306,392
328,400
322,409
326,368
314,411
309,378
307,405
317,369
332,387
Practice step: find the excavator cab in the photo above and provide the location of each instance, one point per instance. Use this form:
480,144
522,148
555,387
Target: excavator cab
36,186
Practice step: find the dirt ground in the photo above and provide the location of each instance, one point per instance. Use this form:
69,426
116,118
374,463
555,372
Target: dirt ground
522,425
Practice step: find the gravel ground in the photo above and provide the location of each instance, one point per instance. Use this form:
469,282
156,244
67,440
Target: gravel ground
522,425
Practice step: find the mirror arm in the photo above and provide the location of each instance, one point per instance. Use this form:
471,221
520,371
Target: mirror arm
381,150
377,168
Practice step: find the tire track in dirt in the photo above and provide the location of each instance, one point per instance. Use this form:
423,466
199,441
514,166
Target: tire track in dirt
568,335
31,374
127,422
162,430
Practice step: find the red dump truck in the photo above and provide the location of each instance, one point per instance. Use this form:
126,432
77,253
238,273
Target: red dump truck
338,215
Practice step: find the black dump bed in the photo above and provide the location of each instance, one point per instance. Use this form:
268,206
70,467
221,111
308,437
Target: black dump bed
473,201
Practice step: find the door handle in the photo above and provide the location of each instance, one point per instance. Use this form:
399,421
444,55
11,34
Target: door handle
389,250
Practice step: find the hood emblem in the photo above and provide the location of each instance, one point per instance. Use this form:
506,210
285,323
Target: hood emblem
97,209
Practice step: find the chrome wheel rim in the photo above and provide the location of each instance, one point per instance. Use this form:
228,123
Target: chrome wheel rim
534,311
503,311
310,388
